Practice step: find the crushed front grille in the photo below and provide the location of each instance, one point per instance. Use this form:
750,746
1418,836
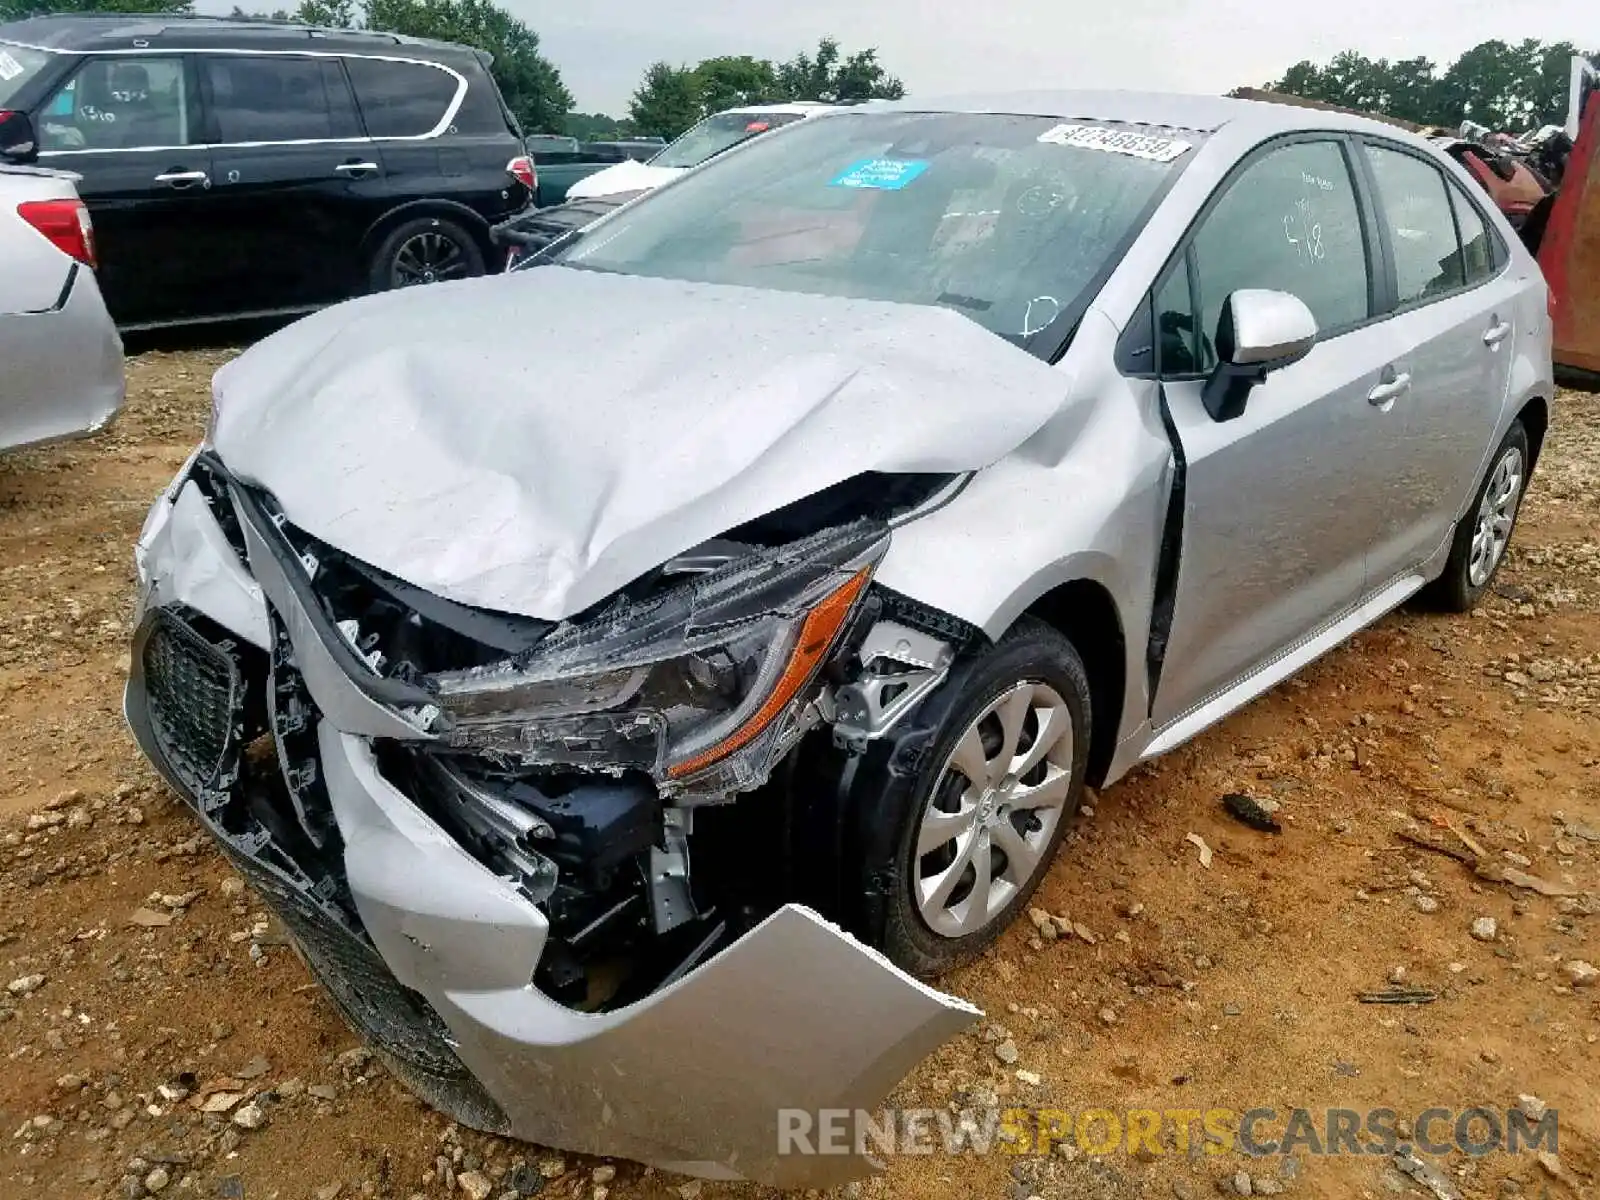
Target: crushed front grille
399,1024
193,690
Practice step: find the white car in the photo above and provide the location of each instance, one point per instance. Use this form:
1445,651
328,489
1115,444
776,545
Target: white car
62,374
717,133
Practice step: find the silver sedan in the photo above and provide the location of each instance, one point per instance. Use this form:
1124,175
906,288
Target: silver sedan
673,650
62,373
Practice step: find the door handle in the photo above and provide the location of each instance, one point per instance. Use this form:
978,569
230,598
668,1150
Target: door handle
356,168
1386,394
1496,333
183,179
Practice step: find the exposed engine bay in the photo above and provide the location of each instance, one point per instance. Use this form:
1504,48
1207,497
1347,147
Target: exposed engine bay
594,763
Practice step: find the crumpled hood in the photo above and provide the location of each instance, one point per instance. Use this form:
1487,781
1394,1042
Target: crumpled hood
626,176
534,441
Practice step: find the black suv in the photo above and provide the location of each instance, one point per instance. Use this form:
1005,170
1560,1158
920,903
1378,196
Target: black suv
238,168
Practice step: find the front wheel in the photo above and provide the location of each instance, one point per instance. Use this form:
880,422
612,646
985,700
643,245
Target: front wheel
1000,787
424,250
1485,532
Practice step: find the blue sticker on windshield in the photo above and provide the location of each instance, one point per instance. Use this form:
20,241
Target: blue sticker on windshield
883,174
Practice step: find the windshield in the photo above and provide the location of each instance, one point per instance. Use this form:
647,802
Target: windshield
716,134
1007,219
18,66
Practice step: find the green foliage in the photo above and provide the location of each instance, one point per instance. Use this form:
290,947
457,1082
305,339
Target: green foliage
596,127
826,77
336,14
667,100
730,82
670,99
15,10
1504,86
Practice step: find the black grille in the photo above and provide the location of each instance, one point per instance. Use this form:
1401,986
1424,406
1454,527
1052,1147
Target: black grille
398,1023
194,696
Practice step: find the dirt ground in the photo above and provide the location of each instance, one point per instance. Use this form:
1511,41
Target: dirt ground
1177,986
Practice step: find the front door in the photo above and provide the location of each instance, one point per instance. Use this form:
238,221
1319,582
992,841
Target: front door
1456,312
295,178
129,125
1280,504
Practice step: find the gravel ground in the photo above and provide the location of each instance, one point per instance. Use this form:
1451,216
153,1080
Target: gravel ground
158,1037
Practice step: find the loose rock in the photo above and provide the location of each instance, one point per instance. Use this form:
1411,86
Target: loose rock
1580,973
25,986
1485,929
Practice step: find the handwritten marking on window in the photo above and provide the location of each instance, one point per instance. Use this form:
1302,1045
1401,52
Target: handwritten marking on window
1303,231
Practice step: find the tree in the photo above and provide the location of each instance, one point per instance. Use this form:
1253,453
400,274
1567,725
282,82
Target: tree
15,10
667,101
825,77
336,14
670,99
731,82
1506,87
597,127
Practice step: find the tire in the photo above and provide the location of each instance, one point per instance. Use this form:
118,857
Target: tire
424,250
1492,515
922,932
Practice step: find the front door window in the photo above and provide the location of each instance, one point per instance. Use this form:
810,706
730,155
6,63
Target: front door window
116,102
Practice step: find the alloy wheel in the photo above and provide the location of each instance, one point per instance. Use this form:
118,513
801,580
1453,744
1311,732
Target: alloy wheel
428,257
1497,512
994,810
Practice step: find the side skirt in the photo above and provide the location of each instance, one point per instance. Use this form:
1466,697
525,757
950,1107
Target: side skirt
1286,664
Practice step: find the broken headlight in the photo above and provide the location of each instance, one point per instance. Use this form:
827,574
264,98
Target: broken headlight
693,682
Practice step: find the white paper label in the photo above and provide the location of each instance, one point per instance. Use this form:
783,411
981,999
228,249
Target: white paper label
10,68
1116,141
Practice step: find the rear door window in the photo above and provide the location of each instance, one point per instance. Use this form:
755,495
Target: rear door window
115,102
1421,225
1480,250
401,99
278,98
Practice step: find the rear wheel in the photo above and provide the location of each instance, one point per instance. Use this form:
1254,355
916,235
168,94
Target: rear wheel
425,250
1485,532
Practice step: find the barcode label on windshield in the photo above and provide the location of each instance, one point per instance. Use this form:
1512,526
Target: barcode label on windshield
10,68
1116,141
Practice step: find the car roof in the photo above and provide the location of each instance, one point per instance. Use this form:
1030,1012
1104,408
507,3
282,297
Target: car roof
1200,114
166,31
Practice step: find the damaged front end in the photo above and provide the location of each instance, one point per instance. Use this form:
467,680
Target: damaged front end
480,827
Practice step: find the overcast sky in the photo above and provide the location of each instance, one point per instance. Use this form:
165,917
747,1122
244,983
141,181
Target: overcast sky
945,46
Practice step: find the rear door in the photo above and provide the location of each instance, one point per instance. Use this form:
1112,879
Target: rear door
296,180
130,125
442,133
1454,306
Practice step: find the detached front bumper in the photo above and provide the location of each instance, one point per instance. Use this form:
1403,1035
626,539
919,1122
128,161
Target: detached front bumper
431,955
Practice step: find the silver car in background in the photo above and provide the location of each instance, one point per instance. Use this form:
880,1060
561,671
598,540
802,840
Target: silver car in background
628,676
61,371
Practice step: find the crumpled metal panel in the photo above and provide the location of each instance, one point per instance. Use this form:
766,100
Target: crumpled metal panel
533,442
185,558
796,1014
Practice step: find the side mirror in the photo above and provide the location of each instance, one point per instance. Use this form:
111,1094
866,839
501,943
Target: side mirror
1259,332
18,145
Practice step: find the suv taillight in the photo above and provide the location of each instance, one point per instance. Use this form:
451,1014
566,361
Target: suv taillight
521,168
65,223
